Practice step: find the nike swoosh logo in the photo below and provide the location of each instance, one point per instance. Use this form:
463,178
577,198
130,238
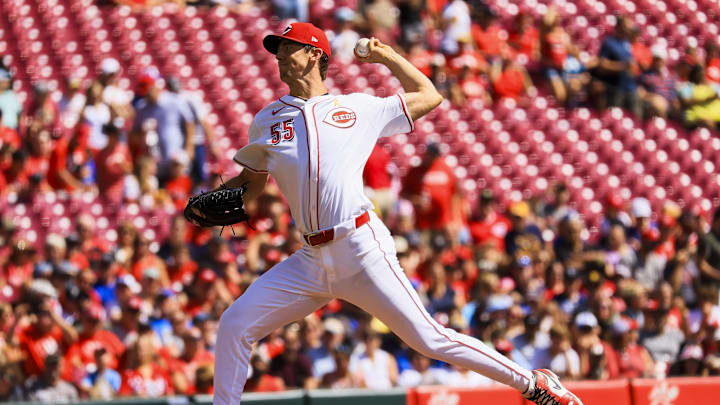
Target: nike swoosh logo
277,111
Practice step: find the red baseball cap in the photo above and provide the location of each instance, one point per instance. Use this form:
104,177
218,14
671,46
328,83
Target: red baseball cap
304,33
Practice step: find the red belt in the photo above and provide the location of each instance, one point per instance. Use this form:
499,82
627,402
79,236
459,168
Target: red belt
321,237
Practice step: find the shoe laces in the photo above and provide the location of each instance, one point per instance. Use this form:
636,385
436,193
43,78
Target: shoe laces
542,397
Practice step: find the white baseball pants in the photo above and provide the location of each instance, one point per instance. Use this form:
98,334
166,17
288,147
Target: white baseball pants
361,268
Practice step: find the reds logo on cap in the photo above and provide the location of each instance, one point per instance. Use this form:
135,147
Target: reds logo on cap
287,29
340,117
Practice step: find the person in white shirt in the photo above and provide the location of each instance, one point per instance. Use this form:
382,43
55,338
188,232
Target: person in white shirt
345,37
421,372
456,22
315,146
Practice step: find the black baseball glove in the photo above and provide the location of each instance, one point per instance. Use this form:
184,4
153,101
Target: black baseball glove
221,207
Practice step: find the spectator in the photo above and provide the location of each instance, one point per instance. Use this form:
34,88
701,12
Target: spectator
174,122
49,387
204,379
712,62
81,354
490,38
96,115
293,366
193,357
345,38
589,346
421,372
625,357
659,84
660,339
700,100
341,377
374,368
708,257
560,59
529,344
72,103
524,235
432,189
381,17
489,227
525,39
9,104
509,79
617,71
560,356
323,360
456,25
412,26
104,382
47,334
204,142
444,82
43,113
113,95
114,163
261,380
11,383
67,161
9,140
144,376
378,181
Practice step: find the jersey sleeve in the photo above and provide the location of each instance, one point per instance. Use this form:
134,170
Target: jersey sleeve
391,115
253,156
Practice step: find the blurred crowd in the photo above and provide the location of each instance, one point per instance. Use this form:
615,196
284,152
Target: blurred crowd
82,316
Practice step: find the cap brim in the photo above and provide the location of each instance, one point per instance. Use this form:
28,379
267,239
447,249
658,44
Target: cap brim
271,43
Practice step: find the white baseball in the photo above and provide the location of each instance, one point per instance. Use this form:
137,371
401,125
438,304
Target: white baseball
362,47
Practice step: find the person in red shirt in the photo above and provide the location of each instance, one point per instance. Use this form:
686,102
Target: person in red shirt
59,177
43,113
509,79
432,189
194,356
489,37
179,184
626,358
145,259
378,182
489,227
113,163
641,53
261,380
40,148
525,38
145,376
47,334
81,354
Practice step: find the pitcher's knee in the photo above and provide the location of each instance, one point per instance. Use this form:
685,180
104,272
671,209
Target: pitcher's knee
234,327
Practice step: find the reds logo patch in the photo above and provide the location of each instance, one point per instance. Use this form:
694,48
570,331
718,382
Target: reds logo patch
340,117
287,29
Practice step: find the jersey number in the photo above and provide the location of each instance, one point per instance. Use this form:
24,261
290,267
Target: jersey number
282,131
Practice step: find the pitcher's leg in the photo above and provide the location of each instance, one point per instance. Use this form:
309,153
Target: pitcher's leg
269,303
384,291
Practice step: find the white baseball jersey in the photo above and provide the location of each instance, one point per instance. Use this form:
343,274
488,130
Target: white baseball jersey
316,151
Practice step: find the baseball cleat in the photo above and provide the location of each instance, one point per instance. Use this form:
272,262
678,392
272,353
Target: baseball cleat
547,390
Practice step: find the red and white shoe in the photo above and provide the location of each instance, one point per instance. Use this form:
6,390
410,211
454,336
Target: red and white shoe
547,390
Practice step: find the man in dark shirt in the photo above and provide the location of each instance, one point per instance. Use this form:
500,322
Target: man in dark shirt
617,69
294,367
708,257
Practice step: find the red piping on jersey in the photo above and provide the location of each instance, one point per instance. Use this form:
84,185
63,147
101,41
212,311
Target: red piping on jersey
248,167
317,189
307,136
402,103
425,315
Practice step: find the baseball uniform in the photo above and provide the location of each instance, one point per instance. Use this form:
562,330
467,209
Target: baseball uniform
315,150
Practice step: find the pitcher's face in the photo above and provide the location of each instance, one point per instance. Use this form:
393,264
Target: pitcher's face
292,60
